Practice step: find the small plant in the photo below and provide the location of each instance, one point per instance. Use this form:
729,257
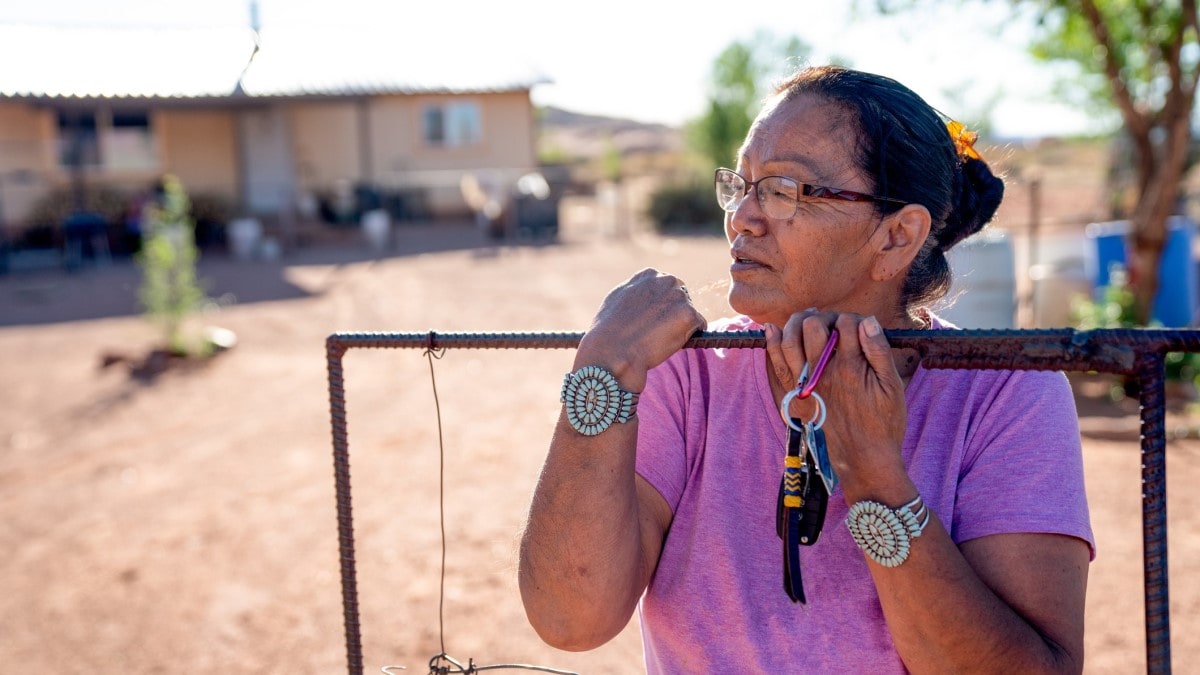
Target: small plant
1115,309
170,290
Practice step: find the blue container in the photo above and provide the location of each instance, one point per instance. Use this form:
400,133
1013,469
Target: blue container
1177,303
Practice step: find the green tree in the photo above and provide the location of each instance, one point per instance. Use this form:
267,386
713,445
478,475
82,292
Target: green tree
741,76
1141,57
169,290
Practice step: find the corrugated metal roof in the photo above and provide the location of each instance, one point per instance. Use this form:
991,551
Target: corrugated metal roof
87,62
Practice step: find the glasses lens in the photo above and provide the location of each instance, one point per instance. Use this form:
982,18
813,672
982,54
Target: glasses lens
778,196
730,189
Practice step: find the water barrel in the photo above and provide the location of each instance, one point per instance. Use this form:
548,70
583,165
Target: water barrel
983,293
1177,303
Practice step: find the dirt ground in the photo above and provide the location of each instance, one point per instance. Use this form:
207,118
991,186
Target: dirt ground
186,523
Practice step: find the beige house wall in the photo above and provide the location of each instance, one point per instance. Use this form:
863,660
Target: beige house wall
28,164
196,145
507,121
326,143
200,148
401,159
22,138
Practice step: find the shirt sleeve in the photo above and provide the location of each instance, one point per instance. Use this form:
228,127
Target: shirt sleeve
661,446
1023,466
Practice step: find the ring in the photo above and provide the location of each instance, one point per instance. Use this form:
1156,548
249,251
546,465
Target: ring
818,419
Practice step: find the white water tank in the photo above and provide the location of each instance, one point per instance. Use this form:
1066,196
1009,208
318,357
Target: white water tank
983,293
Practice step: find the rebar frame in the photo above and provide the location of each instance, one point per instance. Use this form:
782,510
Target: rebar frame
1137,353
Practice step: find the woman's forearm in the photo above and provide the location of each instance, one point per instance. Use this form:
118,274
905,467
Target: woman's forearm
595,529
1024,613
582,568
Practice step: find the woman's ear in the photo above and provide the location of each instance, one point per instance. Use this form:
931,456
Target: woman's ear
905,232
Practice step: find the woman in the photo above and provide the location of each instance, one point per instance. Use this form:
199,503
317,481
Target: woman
669,504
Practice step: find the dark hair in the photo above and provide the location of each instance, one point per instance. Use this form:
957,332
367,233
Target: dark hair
906,149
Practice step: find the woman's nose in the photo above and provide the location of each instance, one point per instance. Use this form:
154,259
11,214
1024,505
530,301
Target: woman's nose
748,216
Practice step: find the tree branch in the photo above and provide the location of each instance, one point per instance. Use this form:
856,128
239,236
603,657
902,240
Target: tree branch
1137,122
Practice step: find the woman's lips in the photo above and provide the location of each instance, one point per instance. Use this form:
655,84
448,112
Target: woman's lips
745,263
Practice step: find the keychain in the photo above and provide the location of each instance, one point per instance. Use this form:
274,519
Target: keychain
800,512
808,478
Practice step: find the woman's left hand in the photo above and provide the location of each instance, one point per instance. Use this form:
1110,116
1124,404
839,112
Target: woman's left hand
861,388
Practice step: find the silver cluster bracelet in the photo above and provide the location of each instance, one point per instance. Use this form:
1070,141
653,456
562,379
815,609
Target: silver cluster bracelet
885,534
594,400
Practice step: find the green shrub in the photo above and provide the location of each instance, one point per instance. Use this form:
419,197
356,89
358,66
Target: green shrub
686,207
1114,309
170,291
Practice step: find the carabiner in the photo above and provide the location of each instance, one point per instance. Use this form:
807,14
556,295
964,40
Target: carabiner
807,385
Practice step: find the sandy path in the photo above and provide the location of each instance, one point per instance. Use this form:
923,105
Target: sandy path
187,525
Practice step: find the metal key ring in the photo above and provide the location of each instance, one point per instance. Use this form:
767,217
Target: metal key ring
818,419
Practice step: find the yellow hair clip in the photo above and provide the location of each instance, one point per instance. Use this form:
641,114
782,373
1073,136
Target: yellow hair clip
964,139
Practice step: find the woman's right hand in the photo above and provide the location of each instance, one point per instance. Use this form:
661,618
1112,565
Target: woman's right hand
641,323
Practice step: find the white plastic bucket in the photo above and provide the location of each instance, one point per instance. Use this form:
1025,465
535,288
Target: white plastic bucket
245,234
377,229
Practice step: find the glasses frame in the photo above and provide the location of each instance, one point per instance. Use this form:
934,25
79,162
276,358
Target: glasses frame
802,190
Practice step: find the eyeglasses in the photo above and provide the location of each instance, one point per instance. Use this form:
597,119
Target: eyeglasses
779,196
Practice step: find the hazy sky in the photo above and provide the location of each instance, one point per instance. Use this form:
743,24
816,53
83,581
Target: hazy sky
650,60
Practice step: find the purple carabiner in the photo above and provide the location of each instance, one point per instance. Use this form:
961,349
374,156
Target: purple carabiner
810,384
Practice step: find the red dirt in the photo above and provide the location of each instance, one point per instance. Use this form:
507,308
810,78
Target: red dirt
185,522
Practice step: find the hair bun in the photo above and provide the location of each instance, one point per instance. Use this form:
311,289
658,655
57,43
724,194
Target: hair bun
976,196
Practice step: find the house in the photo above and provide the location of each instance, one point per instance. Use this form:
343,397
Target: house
276,124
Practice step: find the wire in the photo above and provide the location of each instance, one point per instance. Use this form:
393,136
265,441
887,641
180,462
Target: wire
431,354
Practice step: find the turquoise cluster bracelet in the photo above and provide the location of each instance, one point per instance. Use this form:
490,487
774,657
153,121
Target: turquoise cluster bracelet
594,400
885,534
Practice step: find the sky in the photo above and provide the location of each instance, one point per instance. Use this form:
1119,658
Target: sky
650,60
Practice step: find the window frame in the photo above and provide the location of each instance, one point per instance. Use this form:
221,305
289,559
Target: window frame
452,123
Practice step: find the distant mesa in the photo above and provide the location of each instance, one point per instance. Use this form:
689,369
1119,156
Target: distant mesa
584,135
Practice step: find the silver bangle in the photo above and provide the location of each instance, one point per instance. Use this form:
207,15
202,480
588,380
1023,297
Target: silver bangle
885,534
594,400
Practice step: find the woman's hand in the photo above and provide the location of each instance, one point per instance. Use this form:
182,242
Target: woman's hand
863,393
641,323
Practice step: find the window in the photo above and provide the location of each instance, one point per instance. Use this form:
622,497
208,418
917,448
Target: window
129,144
452,124
108,139
78,143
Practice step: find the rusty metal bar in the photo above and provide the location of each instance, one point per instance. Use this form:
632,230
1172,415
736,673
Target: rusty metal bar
334,351
1134,352
1152,396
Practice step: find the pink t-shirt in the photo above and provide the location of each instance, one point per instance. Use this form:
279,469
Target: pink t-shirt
990,451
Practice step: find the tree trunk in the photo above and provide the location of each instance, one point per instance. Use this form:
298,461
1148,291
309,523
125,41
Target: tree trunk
1156,203
1146,246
